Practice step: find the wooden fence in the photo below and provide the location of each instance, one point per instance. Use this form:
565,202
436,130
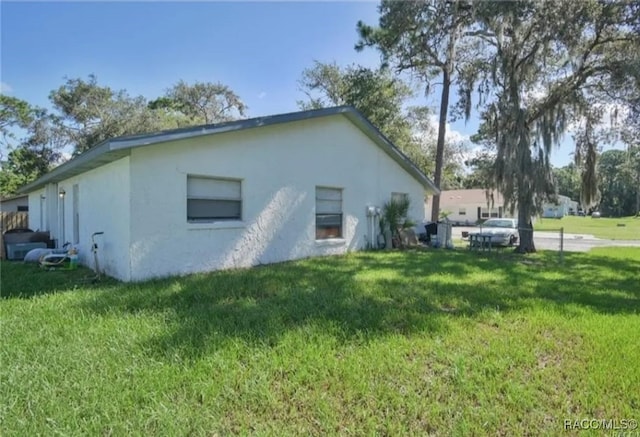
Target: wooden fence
11,220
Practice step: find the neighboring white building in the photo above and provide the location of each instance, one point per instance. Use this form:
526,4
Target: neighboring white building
564,206
236,194
467,207
18,203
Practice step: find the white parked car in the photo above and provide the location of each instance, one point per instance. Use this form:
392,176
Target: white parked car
503,231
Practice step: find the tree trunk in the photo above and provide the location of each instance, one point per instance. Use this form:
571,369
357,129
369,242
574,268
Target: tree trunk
525,229
638,195
442,130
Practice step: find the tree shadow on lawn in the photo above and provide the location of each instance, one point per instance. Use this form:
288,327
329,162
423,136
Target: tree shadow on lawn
360,297
19,280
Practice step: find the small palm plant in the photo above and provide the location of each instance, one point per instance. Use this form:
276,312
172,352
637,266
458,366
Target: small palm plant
394,219
444,215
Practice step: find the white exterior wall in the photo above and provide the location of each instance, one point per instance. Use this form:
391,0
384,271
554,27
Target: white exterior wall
12,205
37,217
43,211
280,167
471,210
103,206
560,209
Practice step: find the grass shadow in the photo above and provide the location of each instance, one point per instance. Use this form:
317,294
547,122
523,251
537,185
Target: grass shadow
357,297
19,280
261,305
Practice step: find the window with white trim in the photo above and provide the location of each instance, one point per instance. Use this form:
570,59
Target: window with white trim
462,211
328,213
213,199
489,213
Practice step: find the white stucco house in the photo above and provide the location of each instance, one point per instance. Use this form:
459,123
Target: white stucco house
561,207
467,207
18,203
235,194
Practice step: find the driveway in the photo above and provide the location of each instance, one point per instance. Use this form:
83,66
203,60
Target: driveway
551,240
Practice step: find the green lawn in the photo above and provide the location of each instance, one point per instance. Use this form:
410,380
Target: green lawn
413,343
604,227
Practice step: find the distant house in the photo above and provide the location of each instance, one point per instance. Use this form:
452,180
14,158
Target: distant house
470,206
229,195
19,203
564,206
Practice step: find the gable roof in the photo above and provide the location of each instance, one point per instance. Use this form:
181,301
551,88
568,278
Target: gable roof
116,148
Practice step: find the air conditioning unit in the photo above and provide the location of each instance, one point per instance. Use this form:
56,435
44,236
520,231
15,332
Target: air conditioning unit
17,251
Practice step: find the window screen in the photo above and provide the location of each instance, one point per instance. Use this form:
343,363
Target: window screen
212,199
328,213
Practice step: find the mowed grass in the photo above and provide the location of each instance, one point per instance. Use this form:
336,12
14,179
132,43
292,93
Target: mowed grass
625,228
400,343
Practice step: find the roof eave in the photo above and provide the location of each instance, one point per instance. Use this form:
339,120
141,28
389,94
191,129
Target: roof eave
92,158
111,150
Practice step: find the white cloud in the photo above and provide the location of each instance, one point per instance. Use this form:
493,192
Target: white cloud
262,95
5,88
451,135
464,149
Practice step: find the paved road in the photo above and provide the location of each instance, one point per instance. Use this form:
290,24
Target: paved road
572,242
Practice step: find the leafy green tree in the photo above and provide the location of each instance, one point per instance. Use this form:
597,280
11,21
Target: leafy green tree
14,114
633,168
541,58
617,184
90,113
567,181
23,166
202,102
424,135
28,134
481,167
86,113
424,38
376,93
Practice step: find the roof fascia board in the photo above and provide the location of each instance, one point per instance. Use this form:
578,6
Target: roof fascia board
146,140
58,173
126,143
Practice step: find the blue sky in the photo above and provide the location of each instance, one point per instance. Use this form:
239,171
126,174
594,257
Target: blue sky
259,49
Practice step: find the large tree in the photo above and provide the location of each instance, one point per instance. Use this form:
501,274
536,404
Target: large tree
24,165
30,140
541,58
567,181
423,38
86,113
376,93
632,166
202,102
90,113
15,114
617,183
